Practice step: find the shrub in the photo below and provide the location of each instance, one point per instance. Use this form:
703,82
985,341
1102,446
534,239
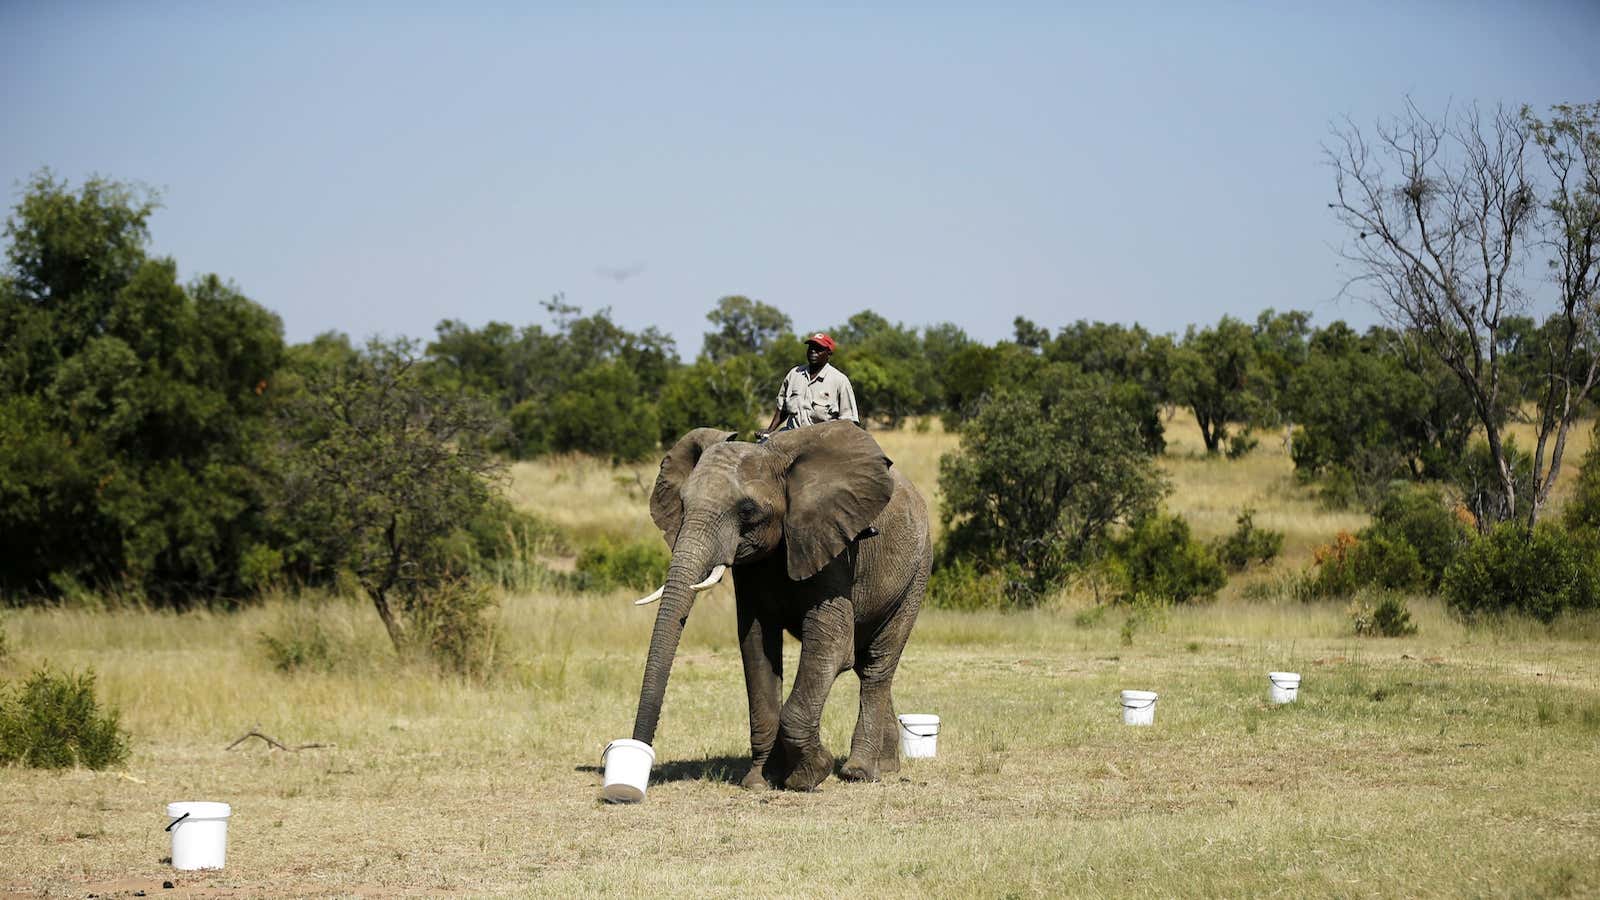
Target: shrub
961,585
1378,560
1159,559
1418,516
54,722
300,641
1045,470
1247,544
1240,445
639,565
451,626
1507,570
1388,617
1145,612
1583,509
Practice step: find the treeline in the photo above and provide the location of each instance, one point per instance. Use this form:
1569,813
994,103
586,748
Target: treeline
160,438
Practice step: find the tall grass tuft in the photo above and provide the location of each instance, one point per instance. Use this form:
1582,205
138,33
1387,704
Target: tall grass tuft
55,722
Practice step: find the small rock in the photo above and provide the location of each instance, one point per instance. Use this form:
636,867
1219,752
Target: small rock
138,893
167,885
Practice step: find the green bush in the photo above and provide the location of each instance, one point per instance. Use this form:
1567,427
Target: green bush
1418,516
638,565
1158,558
1388,617
1385,562
1583,509
54,722
961,585
1045,470
1240,445
1509,571
1248,544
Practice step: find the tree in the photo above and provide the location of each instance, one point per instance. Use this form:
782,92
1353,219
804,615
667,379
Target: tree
1132,358
377,471
1214,373
1043,472
743,326
1372,408
1443,214
134,407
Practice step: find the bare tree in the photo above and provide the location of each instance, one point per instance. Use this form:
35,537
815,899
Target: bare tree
1570,145
1445,214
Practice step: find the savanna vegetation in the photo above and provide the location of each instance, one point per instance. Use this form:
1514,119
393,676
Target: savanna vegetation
417,556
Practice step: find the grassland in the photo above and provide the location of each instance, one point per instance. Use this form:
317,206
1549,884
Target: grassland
1457,762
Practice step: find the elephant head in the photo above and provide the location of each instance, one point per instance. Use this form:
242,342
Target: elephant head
719,503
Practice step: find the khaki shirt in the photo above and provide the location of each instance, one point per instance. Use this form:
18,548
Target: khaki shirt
807,401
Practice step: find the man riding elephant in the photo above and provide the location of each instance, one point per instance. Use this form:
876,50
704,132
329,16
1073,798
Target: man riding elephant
815,392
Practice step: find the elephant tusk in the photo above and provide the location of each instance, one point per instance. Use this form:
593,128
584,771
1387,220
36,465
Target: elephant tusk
713,578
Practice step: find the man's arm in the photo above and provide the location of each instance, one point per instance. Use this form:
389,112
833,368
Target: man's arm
847,402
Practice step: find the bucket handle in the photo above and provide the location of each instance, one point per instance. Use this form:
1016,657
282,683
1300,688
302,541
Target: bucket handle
175,822
1284,686
1138,704
912,730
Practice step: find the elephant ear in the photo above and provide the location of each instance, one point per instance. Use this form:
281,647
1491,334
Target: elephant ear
666,504
838,481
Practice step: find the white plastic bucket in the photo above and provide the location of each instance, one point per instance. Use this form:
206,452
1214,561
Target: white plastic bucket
1138,707
1285,686
199,834
919,735
627,763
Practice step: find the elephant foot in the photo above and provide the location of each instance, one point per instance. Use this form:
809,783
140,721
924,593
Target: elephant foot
812,766
889,763
855,770
754,780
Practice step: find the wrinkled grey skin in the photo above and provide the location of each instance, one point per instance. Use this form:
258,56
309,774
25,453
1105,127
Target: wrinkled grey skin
786,515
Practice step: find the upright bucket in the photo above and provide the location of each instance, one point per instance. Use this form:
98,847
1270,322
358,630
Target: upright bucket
1138,707
199,834
1285,686
919,735
627,763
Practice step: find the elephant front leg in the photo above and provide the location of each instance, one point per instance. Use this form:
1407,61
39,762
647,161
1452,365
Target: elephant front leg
826,648
761,647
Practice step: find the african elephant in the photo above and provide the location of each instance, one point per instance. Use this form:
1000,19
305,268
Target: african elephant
828,541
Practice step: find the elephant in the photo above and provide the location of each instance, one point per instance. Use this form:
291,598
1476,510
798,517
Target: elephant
827,541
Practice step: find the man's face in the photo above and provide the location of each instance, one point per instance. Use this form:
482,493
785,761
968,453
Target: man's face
817,355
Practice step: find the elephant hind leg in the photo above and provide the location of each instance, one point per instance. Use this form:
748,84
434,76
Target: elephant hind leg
875,746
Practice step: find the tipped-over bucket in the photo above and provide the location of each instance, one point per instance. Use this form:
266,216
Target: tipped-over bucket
1285,686
199,834
919,735
627,763
1138,707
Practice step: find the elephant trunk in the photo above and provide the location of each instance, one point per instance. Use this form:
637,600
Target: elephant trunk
690,561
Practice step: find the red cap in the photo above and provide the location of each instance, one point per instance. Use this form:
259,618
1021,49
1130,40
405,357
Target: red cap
821,340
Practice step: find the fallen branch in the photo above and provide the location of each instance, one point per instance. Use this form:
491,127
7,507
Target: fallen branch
274,743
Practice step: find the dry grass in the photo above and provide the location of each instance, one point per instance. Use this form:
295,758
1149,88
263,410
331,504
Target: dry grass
1455,762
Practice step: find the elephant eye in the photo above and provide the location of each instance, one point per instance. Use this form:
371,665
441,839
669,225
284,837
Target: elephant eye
750,511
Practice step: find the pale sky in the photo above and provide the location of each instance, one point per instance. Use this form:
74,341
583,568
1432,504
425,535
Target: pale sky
373,169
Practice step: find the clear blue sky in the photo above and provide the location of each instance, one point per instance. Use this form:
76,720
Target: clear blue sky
375,169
